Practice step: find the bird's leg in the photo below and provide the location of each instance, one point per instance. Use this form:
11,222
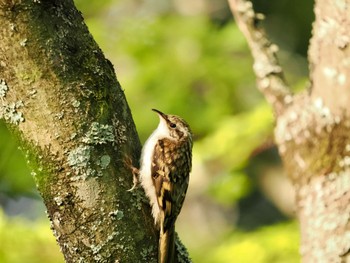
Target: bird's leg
135,172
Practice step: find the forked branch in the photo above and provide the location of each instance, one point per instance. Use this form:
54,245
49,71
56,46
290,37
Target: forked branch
270,79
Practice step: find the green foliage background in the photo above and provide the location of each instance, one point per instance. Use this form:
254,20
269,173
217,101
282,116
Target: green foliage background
196,64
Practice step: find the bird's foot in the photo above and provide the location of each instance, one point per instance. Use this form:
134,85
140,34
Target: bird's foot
135,172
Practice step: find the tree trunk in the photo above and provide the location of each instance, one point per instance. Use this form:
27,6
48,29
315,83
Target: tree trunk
312,128
61,98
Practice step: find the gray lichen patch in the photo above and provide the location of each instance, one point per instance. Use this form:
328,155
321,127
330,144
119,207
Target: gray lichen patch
118,214
9,111
79,160
99,134
104,161
76,103
3,88
79,157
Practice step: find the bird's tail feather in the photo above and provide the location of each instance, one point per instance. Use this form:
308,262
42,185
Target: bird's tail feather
166,249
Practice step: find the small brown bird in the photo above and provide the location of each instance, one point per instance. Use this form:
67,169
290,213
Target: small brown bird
166,163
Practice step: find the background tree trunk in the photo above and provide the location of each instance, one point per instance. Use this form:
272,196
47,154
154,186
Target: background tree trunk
60,96
313,127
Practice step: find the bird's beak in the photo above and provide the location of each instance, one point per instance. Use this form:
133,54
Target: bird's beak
161,114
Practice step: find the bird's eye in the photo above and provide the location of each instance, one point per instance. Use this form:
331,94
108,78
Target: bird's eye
172,125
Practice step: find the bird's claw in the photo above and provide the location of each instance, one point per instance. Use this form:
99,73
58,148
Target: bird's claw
135,172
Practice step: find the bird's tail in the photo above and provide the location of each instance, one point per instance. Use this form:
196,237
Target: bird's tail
166,249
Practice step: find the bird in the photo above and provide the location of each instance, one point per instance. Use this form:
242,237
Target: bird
165,166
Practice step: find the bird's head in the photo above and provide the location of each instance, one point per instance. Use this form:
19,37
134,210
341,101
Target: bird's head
173,127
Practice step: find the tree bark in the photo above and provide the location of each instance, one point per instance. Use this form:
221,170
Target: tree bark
60,97
313,127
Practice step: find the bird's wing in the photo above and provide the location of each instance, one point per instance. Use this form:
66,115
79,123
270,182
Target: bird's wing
170,173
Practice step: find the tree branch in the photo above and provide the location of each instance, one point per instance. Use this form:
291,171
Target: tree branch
269,73
328,56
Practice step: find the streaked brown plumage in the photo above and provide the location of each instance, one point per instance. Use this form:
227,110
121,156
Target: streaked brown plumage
165,167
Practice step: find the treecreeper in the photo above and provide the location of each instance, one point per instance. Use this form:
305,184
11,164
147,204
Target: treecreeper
165,166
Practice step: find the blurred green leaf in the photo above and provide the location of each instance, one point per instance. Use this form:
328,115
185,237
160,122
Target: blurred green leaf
228,188
15,176
273,244
29,242
236,137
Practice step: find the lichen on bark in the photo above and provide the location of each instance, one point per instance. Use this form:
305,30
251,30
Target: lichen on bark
75,131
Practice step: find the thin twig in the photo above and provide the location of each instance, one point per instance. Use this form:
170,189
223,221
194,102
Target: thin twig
270,79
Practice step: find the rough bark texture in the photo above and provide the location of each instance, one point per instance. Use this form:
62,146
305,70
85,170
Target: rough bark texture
313,128
60,96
